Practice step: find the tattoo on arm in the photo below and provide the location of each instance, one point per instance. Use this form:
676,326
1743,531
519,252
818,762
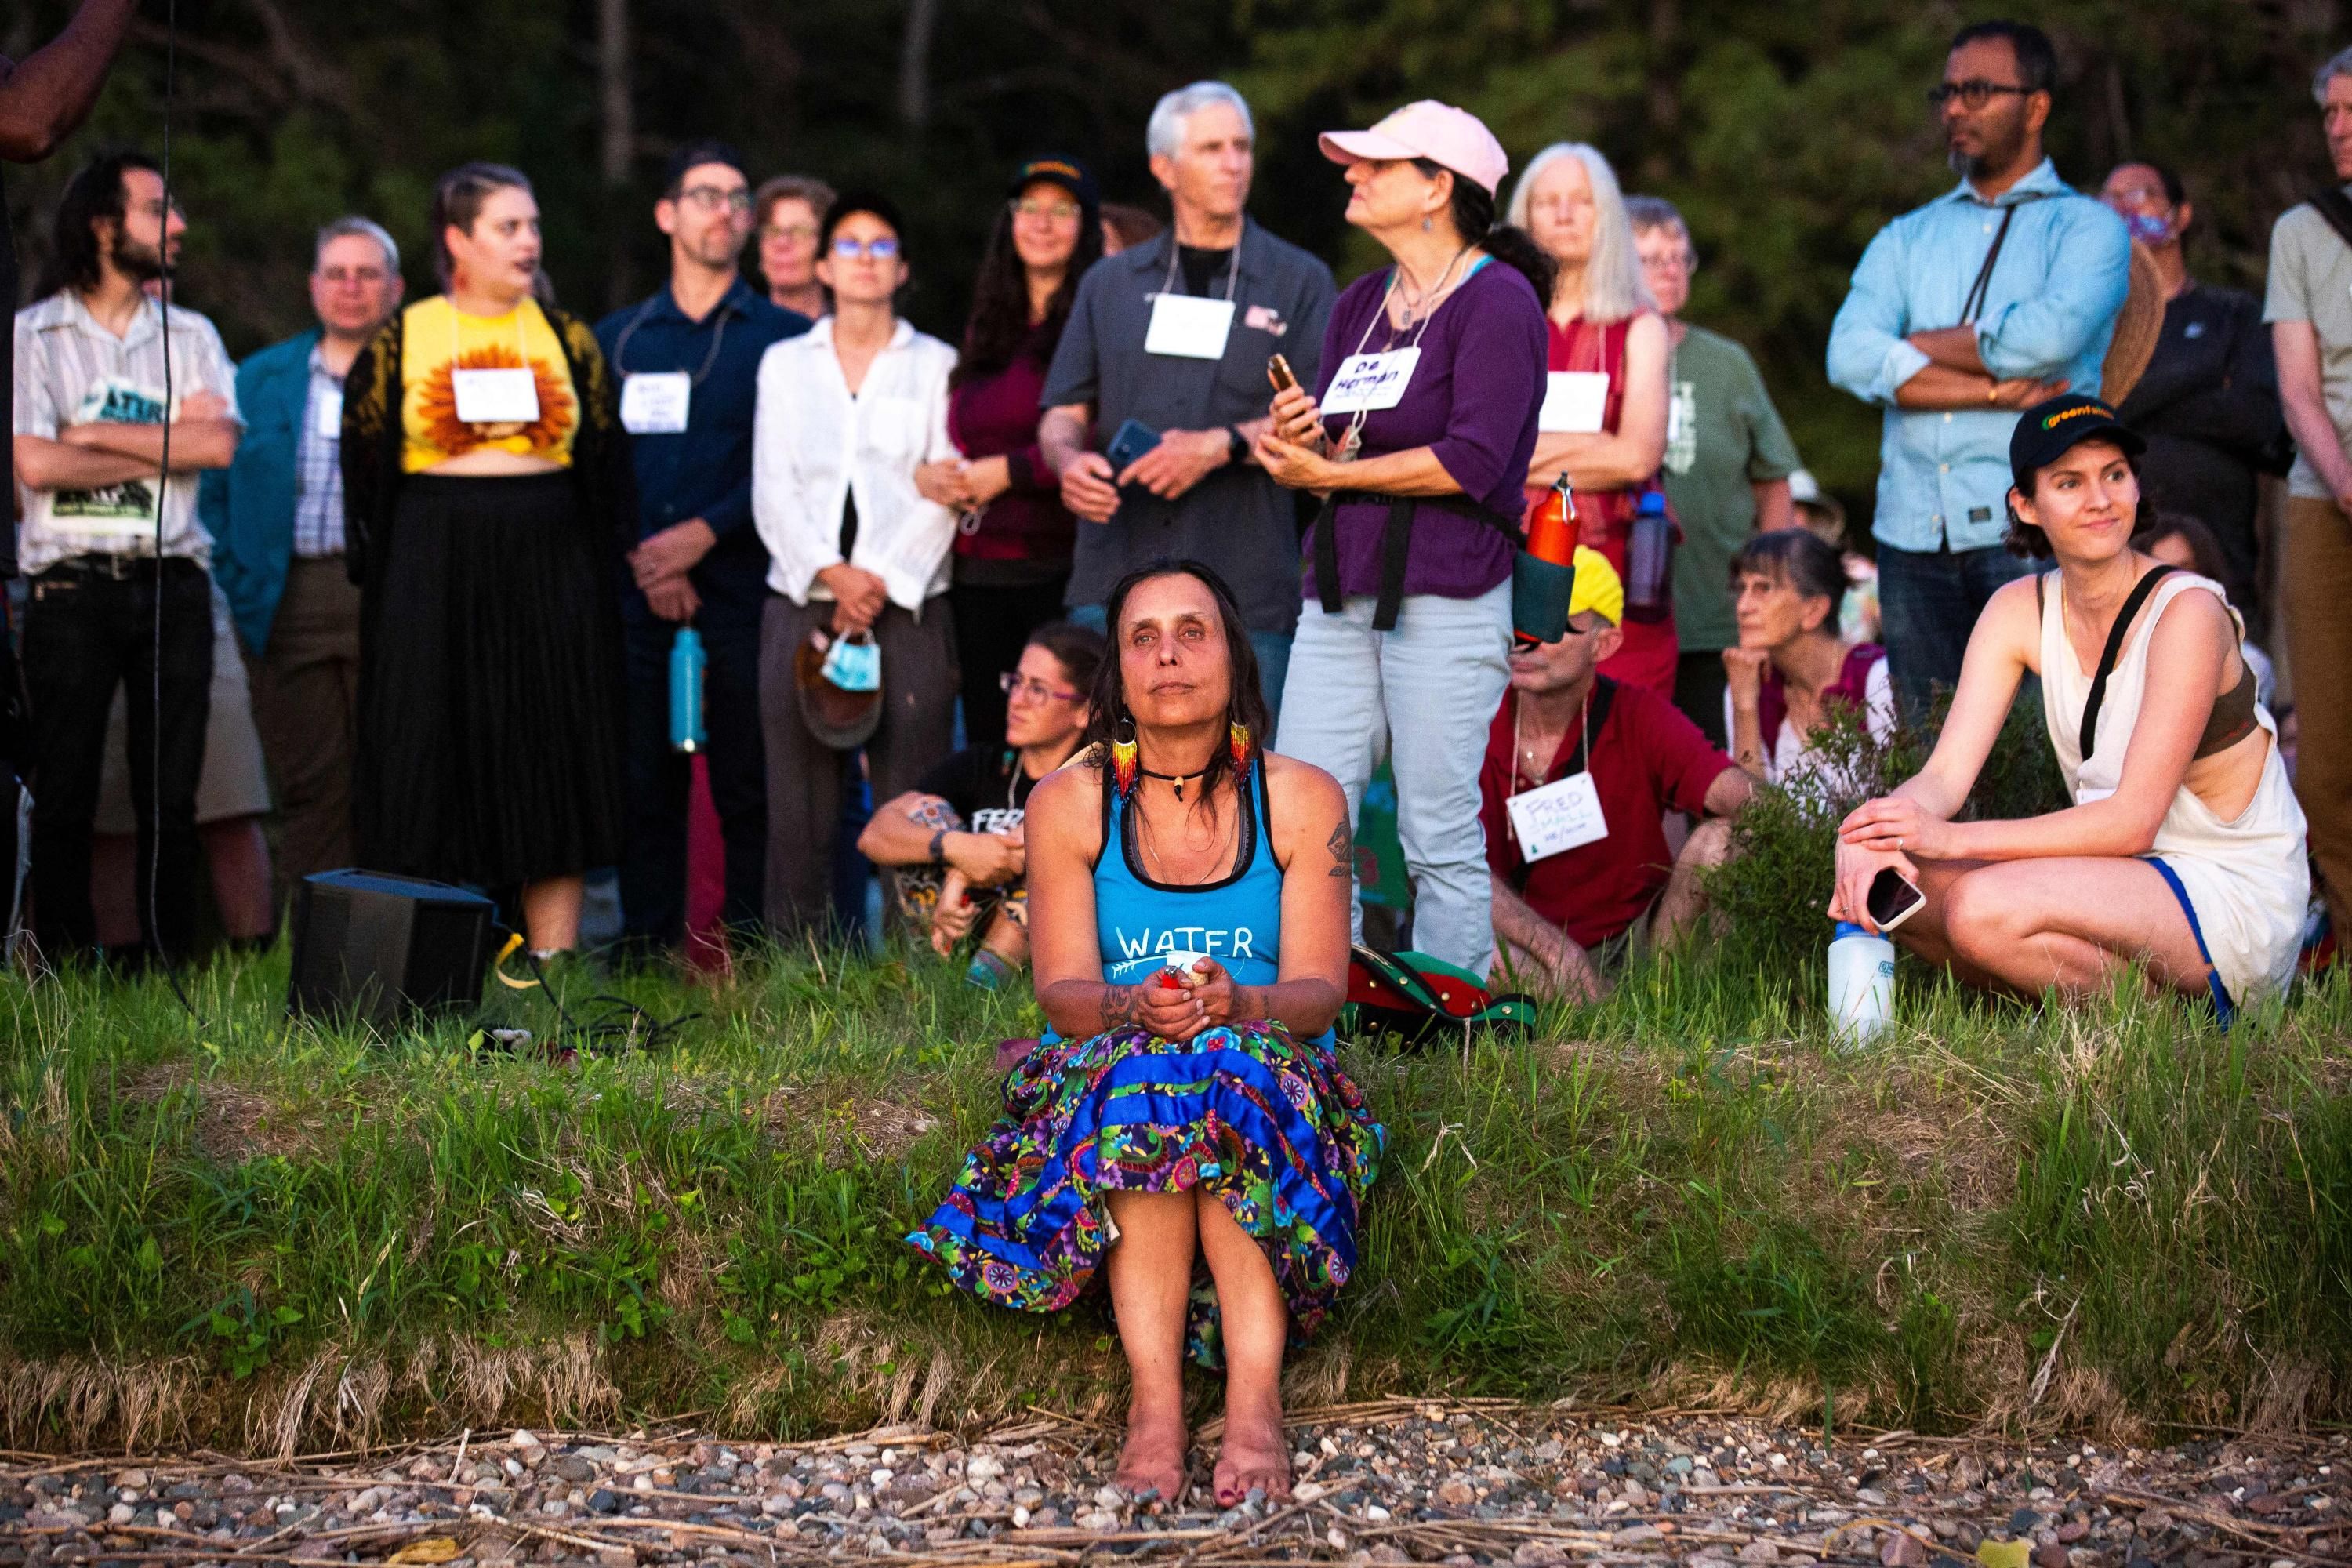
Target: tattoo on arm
1120,1005
1342,845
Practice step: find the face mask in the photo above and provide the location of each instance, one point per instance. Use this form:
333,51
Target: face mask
2149,228
853,665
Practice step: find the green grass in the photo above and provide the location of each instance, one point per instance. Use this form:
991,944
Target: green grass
252,1231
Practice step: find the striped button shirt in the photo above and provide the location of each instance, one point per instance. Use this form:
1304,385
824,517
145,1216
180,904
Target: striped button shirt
71,370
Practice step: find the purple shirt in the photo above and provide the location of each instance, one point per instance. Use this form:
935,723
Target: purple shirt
1472,400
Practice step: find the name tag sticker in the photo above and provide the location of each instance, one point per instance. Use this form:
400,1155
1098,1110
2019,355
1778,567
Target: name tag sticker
327,414
496,396
1186,327
656,403
1369,382
1562,815
1574,401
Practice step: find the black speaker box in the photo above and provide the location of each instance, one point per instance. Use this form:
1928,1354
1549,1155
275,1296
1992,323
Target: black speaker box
376,947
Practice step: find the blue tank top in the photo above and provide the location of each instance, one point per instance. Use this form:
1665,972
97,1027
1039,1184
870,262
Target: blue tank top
1238,919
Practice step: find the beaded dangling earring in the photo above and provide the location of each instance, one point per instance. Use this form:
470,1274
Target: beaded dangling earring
1123,763
1238,737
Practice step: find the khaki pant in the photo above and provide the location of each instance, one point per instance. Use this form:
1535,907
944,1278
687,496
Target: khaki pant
306,703
2315,595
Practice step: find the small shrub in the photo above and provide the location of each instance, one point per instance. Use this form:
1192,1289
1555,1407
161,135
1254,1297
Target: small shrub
1774,892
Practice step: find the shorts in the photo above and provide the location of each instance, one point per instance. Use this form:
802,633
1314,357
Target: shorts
234,782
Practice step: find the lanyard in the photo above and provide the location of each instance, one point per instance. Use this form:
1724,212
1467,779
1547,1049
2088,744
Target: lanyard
1354,436
522,351
1583,751
717,336
1232,269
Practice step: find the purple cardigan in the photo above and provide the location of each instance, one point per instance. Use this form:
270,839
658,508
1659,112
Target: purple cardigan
994,416
1473,401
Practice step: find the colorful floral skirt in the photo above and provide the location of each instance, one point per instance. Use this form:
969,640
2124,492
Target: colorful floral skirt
1269,1125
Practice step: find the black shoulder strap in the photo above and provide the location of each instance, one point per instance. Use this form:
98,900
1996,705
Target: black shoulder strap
2336,207
2088,739
1983,285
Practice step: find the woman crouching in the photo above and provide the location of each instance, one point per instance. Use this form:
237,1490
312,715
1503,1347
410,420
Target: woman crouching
2184,848
1188,912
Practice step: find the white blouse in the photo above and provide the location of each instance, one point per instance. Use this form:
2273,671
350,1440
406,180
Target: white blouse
815,445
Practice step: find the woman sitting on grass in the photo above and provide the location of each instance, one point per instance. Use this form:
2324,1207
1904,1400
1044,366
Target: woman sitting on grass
2184,848
1791,668
1188,898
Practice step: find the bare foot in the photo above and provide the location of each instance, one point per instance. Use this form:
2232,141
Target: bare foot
1253,1458
1152,1458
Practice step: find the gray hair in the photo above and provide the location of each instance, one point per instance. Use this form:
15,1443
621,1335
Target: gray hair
2339,64
1646,212
1613,287
1165,133
364,228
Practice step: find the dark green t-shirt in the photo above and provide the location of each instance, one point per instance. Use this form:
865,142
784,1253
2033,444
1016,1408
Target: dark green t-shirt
1723,435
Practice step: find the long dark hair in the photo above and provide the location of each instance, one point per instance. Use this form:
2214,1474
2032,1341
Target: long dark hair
999,326
1473,211
1245,705
95,193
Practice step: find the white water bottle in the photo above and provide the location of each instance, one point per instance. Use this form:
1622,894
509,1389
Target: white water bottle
1862,985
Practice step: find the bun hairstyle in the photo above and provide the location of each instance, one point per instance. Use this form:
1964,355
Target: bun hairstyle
1245,705
1473,211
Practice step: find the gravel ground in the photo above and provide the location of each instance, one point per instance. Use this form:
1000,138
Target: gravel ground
1389,1482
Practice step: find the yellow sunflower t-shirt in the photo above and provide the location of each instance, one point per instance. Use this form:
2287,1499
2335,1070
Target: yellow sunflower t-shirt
436,339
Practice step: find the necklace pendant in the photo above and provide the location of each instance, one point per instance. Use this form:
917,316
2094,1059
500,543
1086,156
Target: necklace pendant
1179,787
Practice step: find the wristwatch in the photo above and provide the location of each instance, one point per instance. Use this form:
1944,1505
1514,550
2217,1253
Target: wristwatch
1237,445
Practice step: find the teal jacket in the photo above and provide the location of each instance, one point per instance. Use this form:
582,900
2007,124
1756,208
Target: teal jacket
248,507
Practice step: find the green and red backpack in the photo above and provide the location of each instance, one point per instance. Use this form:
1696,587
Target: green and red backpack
1421,997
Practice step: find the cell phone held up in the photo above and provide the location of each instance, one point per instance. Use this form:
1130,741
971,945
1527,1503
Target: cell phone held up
1278,372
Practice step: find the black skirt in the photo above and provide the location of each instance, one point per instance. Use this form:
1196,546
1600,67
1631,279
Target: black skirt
491,706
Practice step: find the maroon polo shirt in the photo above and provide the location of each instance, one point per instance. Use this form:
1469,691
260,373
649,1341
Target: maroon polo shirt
1647,759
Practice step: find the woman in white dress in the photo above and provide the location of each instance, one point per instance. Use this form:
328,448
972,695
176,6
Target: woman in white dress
2184,848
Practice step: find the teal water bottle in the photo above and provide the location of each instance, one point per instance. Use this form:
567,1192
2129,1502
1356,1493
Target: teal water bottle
686,662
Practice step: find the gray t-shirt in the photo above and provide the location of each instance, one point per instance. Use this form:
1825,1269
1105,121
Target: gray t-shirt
1237,519
2311,280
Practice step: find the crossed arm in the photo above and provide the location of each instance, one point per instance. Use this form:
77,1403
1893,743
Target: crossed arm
88,456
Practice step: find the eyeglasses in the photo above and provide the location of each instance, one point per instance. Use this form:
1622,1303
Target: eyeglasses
881,250
1671,261
368,277
1058,212
801,232
1013,683
710,198
1974,93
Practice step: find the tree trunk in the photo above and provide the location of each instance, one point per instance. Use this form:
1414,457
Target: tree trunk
620,141
915,63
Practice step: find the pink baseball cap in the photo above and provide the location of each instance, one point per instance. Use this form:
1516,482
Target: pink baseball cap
1453,138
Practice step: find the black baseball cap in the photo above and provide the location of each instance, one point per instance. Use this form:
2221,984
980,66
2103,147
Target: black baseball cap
1068,172
2054,426
696,154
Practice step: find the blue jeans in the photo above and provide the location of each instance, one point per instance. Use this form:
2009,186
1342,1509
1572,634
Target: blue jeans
1426,694
1272,650
1929,602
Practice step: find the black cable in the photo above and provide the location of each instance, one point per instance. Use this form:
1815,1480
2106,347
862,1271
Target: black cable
618,1024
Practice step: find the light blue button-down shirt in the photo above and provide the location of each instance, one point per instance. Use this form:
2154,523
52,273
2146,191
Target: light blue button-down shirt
2049,309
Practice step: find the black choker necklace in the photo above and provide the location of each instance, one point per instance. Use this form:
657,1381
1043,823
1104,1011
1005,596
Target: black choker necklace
1179,780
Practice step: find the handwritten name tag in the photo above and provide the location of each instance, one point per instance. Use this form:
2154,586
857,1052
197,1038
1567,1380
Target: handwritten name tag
1369,382
1560,815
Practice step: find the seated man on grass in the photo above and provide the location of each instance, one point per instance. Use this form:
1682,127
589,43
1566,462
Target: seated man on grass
1596,874
955,840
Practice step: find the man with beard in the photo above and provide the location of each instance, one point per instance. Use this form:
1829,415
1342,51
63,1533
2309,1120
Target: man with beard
116,555
1992,298
688,364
